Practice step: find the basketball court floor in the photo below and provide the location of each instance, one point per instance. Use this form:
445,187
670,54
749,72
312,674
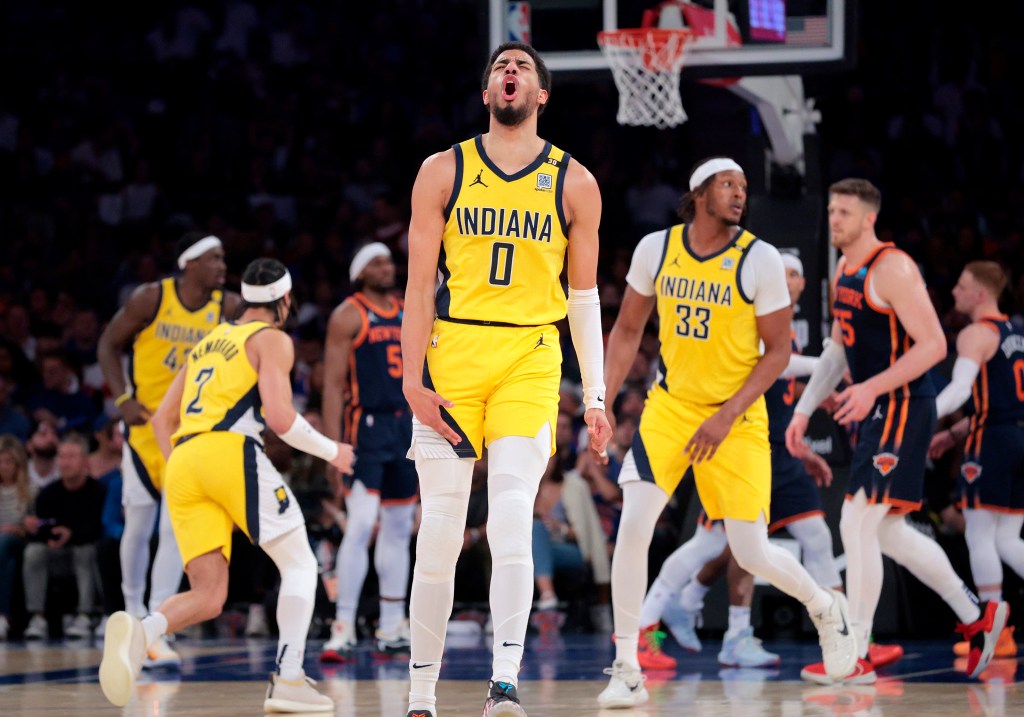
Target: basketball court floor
561,676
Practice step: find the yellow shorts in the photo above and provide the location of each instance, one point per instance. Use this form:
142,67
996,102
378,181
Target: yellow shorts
736,483
503,380
142,466
221,479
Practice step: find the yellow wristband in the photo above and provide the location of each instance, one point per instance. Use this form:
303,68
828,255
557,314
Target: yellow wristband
120,400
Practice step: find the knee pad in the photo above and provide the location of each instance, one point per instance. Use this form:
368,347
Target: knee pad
296,563
396,521
510,527
515,467
362,508
440,538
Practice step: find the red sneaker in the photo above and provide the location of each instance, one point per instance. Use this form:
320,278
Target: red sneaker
882,655
649,652
863,674
983,634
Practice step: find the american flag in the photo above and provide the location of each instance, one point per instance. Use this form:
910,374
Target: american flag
807,31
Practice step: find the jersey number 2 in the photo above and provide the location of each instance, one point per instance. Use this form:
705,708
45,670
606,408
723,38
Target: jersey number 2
200,380
501,263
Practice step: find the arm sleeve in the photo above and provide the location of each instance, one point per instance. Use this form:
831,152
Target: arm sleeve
799,365
307,439
584,312
827,375
645,264
959,389
763,279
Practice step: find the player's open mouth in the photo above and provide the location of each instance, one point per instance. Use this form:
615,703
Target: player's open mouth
510,87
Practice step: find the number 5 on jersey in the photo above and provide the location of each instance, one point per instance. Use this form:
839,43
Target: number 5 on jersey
200,380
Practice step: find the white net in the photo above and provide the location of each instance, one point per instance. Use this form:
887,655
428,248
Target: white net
646,65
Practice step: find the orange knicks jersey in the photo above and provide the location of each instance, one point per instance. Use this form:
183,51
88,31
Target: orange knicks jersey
873,337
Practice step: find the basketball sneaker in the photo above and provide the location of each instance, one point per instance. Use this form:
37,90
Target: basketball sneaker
295,696
502,700
682,624
342,645
1006,646
837,640
124,647
161,655
882,655
394,643
744,650
625,688
983,634
649,652
863,673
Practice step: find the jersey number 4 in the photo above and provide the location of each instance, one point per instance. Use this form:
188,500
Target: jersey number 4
200,380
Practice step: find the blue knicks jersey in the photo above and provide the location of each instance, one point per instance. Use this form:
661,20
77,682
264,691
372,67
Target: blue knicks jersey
873,337
780,399
998,390
375,363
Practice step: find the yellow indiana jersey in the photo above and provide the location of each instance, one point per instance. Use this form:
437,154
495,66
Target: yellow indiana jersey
708,331
504,241
160,348
221,391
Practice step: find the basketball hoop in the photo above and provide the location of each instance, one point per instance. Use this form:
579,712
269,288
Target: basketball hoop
646,63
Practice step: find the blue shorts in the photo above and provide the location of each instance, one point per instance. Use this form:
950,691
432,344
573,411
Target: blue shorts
795,495
892,447
381,441
992,476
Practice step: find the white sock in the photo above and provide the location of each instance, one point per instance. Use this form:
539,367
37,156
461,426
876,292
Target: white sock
739,620
155,627
353,560
923,557
642,505
391,559
165,577
139,521
295,561
692,597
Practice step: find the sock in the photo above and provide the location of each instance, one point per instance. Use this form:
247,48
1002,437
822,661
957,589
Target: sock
692,597
155,627
392,612
820,602
422,684
739,620
626,648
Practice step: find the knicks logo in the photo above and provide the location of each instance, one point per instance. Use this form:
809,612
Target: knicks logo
885,463
282,500
970,471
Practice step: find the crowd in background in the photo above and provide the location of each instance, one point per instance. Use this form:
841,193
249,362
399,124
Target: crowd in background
261,122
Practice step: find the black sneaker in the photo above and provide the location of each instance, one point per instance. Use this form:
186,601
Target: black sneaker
502,700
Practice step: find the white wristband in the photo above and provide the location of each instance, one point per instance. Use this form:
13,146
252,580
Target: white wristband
307,439
584,311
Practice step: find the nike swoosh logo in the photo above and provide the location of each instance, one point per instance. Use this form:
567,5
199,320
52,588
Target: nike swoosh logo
510,644
845,630
417,666
633,687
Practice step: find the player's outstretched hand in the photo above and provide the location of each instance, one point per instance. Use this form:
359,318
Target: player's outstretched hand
795,433
600,431
345,459
426,406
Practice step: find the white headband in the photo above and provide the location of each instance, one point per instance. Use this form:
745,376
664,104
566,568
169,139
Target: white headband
364,256
197,250
792,261
267,293
712,166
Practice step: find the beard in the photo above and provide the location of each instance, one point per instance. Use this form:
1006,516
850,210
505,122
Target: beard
509,115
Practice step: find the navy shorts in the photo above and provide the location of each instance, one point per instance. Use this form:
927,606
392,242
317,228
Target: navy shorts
794,493
992,478
892,447
381,441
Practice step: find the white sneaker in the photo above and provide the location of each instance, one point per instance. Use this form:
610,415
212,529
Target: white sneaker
38,628
836,637
295,696
625,688
342,645
256,623
80,627
124,647
161,654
